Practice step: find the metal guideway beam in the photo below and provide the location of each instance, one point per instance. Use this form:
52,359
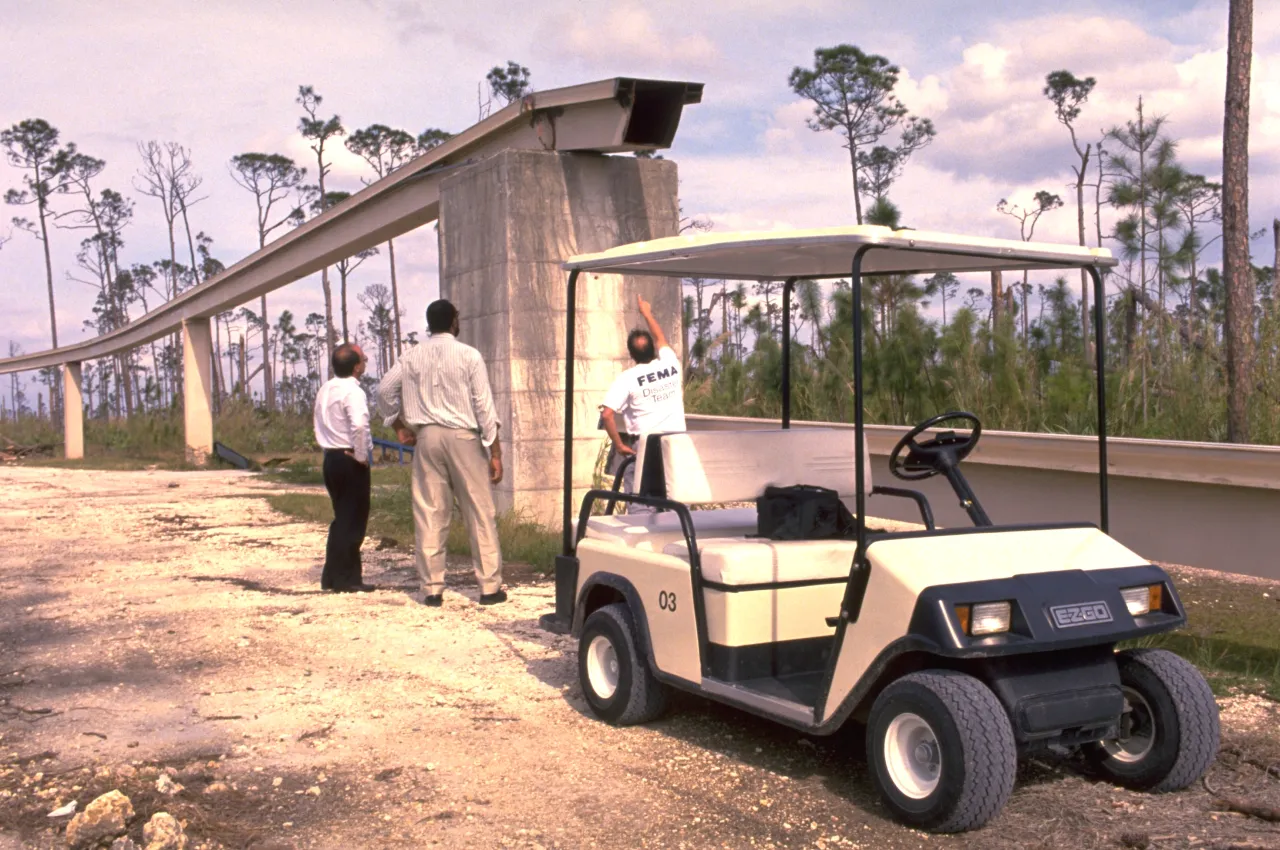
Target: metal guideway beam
614,115
609,116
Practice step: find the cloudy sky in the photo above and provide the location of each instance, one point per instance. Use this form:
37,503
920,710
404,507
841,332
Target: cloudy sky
221,76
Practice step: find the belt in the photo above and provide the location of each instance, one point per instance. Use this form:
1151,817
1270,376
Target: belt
338,451
628,438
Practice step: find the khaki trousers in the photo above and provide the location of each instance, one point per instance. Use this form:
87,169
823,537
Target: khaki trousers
449,462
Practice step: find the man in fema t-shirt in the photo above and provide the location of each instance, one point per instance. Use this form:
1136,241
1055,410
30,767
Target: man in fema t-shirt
646,399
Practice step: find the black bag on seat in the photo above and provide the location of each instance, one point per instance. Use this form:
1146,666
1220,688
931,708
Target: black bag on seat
803,512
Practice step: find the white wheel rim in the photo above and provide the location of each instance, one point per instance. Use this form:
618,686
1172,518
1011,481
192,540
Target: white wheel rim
912,755
602,667
1135,746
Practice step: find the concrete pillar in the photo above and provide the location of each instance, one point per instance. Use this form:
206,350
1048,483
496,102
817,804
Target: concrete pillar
72,411
506,224
197,389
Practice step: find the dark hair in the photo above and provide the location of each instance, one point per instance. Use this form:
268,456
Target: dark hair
640,345
345,360
440,316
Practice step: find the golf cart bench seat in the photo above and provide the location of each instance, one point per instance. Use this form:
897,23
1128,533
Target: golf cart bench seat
653,532
742,561
718,467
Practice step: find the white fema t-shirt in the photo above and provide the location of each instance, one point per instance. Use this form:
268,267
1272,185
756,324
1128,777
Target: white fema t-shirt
649,396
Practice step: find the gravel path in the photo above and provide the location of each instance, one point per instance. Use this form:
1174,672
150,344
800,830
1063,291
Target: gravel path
171,623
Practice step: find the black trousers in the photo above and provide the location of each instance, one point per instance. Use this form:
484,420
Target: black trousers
347,481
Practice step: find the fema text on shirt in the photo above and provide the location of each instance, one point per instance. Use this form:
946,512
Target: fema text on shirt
659,375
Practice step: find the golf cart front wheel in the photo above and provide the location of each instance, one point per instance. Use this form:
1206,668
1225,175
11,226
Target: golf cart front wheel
1169,731
616,680
942,751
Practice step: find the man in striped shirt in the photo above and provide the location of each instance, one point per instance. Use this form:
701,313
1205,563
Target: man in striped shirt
438,399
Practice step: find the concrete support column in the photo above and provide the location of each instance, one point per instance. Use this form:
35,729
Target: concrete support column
72,411
506,224
197,389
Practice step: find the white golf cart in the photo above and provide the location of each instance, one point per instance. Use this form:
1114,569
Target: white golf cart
958,648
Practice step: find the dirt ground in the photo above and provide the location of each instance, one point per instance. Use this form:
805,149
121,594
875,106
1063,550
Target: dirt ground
171,623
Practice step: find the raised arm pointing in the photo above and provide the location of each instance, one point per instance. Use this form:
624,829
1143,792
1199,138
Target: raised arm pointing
655,329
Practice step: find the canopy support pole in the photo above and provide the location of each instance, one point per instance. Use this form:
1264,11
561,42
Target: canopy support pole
1100,336
787,289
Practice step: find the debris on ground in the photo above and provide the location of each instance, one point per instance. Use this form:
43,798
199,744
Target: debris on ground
104,818
11,452
166,786
163,832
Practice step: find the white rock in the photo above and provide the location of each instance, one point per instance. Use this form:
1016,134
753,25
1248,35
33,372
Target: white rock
64,811
165,785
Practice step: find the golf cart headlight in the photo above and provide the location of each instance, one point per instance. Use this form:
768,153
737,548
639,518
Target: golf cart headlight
1142,600
989,618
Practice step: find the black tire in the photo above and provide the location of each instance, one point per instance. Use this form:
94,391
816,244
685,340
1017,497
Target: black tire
637,696
973,751
1173,721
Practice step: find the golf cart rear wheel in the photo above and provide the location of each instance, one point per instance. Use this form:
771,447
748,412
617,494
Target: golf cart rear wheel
616,680
942,751
1169,732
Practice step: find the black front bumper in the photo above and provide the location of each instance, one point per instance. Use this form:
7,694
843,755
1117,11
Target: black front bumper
1066,697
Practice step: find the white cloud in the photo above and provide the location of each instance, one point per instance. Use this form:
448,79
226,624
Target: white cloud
628,33
925,96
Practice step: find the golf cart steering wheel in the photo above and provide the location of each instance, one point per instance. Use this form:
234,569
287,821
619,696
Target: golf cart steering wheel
932,457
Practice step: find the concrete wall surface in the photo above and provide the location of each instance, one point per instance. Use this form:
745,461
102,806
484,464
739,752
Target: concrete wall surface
506,224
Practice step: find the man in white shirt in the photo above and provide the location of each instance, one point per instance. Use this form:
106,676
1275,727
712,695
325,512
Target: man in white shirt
646,399
437,397
342,430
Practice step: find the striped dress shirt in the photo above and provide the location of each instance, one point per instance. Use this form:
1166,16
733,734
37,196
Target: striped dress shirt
440,381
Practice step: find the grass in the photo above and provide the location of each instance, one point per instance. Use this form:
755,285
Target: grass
391,515
157,437
299,471
1232,633
116,462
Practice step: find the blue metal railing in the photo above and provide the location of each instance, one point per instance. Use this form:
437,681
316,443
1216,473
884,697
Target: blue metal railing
386,445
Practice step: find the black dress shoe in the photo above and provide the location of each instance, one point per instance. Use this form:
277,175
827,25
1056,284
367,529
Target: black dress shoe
493,598
356,588
435,601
